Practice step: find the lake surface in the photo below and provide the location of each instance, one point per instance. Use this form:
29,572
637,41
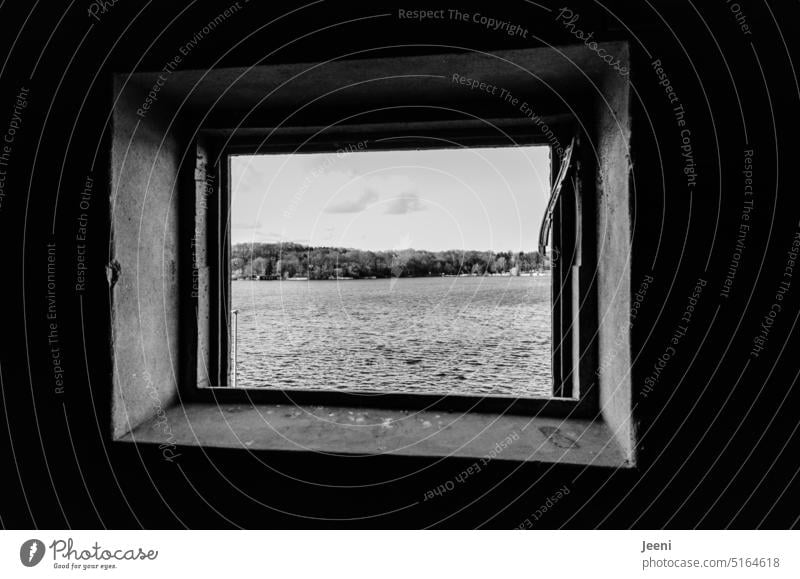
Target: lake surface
452,335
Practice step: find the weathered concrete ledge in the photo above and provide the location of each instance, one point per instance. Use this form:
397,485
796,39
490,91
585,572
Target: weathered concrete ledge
362,431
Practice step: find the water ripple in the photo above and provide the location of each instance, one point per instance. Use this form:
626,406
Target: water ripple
422,335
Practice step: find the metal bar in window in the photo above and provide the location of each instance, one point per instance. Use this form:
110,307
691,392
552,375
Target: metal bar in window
223,187
566,252
576,287
555,193
234,348
560,228
556,319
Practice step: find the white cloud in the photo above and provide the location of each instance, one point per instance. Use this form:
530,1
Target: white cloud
347,192
357,205
406,203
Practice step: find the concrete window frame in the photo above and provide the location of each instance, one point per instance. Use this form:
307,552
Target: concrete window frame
573,395
164,346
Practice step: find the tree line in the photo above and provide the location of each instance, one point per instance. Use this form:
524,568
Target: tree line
288,260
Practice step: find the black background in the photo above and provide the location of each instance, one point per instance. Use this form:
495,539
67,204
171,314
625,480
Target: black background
719,443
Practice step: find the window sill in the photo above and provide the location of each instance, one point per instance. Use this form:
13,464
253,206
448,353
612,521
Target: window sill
359,431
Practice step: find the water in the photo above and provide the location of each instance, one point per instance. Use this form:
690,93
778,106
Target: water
453,335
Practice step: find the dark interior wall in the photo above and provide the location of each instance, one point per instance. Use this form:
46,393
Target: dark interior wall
145,250
717,423
611,149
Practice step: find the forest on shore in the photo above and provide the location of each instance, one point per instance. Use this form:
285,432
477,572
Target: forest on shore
292,260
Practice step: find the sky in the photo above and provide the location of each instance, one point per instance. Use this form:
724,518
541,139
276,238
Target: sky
466,199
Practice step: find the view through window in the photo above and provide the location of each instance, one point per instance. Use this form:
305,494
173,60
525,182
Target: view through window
411,271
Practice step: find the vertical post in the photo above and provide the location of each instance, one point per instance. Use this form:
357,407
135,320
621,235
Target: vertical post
235,344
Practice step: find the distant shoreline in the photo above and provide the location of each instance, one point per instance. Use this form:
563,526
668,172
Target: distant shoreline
545,273
273,261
